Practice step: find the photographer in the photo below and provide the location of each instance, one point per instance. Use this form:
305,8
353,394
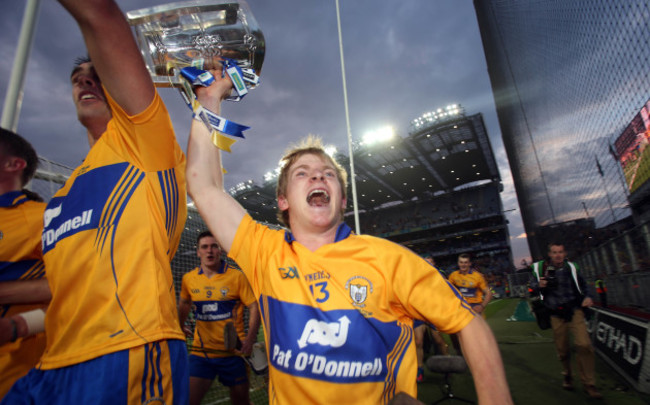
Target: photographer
564,292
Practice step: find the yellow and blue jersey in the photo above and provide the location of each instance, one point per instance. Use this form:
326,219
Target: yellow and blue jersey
339,321
217,300
21,223
109,235
471,285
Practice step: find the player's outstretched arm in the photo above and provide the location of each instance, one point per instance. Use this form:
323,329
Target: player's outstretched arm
22,325
482,354
114,53
219,210
25,292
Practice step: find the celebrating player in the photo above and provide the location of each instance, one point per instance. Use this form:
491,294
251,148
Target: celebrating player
109,235
337,308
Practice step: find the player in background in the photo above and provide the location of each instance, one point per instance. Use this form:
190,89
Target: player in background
21,224
218,292
473,287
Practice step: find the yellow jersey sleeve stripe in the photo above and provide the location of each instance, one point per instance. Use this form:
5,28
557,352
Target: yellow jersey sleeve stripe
117,197
394,359
35,271
169,188
116,203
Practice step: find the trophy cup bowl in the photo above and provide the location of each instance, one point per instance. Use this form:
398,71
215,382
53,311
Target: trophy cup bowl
197,33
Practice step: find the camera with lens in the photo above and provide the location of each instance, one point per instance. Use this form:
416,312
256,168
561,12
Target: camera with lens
551,280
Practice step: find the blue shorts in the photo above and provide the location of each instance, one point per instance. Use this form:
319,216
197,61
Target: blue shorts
417,323
231,370
153,373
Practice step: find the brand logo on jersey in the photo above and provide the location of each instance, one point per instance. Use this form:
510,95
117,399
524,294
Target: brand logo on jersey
333,334
83,170
289,272
359,288
211,307
50,214
319,275
224,291
466,283
154,401
195,291
51,236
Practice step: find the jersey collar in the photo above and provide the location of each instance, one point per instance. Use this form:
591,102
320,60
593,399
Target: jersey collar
342,232
12,198
220,270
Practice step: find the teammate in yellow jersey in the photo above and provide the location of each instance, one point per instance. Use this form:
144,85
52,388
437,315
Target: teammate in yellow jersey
471,284
473,287
218,293
337,308
21,223
109,235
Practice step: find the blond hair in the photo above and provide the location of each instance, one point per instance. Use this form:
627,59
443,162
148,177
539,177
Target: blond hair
311,145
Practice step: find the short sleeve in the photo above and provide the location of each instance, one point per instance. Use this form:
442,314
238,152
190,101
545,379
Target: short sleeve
185,290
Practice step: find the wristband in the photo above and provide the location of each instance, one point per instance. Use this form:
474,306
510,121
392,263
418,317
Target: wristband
35,320
214,123
14,330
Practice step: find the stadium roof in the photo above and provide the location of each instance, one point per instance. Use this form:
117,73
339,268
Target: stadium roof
437,156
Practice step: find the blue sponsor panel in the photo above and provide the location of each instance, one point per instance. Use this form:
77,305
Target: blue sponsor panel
340,346
10,271
467,292
209,311
82,207
622,341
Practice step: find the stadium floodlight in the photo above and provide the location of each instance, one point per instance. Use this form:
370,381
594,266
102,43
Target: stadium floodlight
379,135
438,115
330,150
271,175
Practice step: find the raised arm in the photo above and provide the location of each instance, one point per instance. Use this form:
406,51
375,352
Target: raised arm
114,53
220,211
482,354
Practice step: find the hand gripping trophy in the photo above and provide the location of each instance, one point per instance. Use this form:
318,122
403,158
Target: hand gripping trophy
181,41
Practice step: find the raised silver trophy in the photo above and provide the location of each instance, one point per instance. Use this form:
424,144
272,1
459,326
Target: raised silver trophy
198,33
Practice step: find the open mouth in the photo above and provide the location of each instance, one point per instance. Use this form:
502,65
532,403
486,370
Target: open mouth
88,96
318,197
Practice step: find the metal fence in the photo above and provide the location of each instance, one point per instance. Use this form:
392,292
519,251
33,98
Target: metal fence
624,264
518,284
49,178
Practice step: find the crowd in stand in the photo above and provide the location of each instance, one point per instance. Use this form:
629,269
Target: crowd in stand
447,209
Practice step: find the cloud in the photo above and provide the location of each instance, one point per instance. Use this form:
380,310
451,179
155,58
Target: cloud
402,59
